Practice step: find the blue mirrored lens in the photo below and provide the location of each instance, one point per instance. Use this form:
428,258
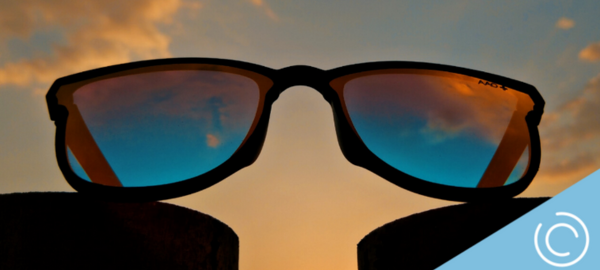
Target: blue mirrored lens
441,127
163,127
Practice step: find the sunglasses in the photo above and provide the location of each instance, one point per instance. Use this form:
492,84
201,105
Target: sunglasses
160,129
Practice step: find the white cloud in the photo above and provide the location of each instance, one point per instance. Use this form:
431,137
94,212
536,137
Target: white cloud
98,33
565,23
590,53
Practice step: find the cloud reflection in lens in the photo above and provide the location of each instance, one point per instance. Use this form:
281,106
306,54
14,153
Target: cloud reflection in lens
437,126
162,127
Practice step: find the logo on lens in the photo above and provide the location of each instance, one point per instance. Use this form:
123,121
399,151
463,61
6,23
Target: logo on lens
563,241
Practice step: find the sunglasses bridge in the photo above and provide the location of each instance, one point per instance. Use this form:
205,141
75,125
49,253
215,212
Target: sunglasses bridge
301,75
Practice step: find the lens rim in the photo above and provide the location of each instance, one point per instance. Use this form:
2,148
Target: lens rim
245,155
324,81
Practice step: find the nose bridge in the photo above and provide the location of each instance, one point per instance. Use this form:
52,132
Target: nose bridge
300,76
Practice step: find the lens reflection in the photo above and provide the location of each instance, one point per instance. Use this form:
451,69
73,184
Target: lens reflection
162,127
441,127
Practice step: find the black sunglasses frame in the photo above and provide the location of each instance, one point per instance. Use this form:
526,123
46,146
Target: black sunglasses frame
351,145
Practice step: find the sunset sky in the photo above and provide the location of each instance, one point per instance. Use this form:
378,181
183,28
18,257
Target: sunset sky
302,205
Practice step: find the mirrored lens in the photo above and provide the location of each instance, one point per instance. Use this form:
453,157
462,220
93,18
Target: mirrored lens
442,127
159,127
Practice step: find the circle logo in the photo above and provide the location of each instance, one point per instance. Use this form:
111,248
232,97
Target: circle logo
552,250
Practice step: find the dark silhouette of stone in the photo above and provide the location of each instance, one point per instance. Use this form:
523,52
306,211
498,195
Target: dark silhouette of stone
70,231
429,239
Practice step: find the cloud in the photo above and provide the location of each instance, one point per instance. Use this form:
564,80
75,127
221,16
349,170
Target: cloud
97,33
212,140
565,23
226,101
451,104
591,53
571,137
266,8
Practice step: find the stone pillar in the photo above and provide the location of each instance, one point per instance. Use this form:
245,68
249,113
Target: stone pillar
70,231
427,240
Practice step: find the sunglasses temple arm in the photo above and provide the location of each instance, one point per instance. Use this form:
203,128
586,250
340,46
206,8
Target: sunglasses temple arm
511,147
83,146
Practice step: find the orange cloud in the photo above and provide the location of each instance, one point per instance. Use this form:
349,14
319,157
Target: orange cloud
571,137
212,140
590,53
451,104
266,8
97,33
223,99
565,23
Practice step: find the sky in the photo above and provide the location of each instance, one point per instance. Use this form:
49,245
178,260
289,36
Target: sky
302,205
